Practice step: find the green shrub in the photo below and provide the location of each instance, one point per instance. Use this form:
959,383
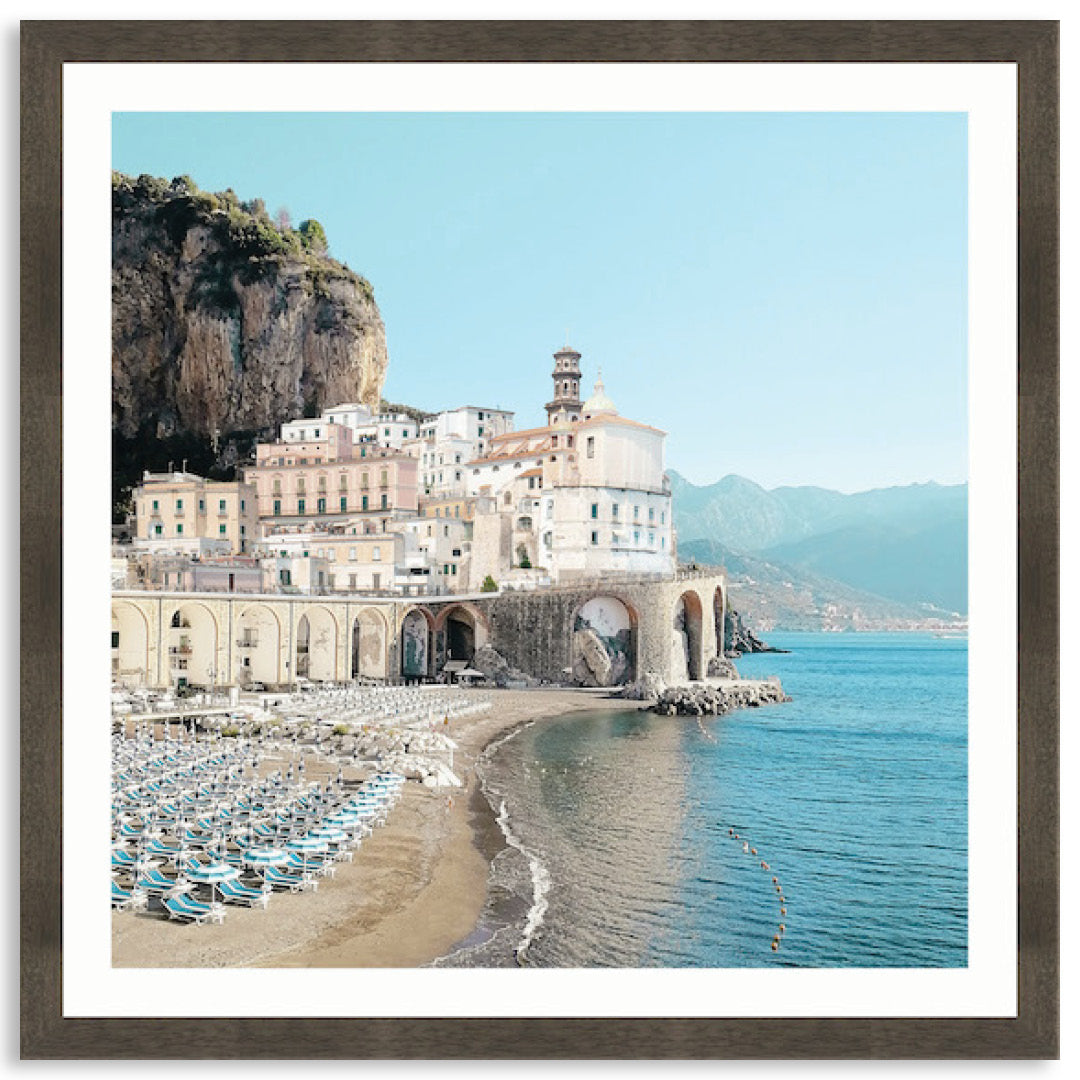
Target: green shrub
489,585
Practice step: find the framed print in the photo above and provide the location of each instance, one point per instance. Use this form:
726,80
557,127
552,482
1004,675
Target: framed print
457,713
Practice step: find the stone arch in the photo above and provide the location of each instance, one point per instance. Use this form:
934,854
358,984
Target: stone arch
130,645
316,645
258,644
604,646
368,646
417,628
465,629
193,646
687,661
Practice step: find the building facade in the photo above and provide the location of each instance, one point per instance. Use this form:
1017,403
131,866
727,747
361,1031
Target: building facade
176,509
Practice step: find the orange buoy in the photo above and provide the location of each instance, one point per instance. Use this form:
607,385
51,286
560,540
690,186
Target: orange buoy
783,911
753,851
775,945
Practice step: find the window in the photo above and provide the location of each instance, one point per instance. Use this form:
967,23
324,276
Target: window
595,537
320,506
363,480
301,506
456,553
376,554
277,507
570,440
343,481
595,510
179,506
330,580
243,506
480,431
285,577
221,529
457,511
322,483
179,530
652,539
277,486
363,502
614,510
116,639
384,477
155,506
344,504
453,568
202,506
352,554
382,501
590,447
663,542
637,537
652,513
157,530
446,530
662,516
506,498
376,581
352,581
637,510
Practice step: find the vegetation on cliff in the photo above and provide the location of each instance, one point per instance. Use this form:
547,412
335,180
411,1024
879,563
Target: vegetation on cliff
225,324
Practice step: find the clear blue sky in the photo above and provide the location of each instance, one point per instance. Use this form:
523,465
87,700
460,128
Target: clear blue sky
784,294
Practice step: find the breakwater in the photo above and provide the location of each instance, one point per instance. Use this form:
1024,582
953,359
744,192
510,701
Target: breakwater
719,698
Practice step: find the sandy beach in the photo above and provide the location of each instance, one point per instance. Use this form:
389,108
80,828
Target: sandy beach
415,888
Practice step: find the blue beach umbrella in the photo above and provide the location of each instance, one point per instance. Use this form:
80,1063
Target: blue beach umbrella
213,874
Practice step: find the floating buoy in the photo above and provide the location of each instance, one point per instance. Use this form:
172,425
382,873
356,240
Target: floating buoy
775,945
764,865
782,928
783,911
753,851
775,881
731,832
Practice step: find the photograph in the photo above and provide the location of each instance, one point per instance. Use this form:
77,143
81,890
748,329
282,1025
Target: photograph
539,539
575,505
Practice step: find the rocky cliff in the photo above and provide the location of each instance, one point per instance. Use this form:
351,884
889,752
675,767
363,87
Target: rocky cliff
226,323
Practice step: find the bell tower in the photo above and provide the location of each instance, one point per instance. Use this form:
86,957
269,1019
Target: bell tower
566,403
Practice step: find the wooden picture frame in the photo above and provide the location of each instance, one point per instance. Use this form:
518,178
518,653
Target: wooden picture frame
1031,45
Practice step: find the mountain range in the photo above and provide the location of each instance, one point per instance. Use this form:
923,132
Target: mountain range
899,549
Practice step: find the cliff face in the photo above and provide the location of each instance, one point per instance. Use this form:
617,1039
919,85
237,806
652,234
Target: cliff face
226,323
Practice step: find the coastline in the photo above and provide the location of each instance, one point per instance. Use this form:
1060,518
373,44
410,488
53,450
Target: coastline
415,890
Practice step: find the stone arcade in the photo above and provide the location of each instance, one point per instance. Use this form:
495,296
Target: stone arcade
592,632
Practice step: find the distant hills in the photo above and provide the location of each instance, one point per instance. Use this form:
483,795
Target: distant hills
897,551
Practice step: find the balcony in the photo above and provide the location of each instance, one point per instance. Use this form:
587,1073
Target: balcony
248,643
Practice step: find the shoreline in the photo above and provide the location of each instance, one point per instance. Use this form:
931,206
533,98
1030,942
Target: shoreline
415,891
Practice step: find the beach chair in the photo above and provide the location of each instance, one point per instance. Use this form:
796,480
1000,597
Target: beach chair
235,893
154,881
273,876
184,910
322,867
122,900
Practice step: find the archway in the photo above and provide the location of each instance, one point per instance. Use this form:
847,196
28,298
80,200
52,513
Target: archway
368,646
258,643
130,639
686,651
416,630
316,645
604,647
193,639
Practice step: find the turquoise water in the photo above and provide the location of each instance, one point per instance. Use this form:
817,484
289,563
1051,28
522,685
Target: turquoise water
854,793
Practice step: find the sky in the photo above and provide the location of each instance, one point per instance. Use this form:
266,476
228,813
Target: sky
783,293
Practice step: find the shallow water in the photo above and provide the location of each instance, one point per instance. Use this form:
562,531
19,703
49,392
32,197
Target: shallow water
854,793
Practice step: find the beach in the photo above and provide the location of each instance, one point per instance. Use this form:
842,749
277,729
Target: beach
415,888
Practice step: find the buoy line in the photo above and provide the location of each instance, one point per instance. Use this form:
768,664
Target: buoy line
748,849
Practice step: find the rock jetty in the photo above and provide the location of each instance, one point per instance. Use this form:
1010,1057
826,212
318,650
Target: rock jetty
712,699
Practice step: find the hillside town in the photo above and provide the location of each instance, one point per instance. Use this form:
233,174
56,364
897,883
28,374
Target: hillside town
354,501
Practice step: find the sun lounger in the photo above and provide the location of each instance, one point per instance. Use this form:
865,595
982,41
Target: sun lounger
183,909
123,900
154,881
275,877
235,893
322,867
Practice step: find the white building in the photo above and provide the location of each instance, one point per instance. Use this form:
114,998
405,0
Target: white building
584,496
449,440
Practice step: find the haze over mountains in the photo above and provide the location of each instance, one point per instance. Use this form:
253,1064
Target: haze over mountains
904,545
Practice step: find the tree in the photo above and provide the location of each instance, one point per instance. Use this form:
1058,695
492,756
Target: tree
489,585
283,219
313,236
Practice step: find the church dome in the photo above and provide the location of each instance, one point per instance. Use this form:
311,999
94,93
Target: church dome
599,402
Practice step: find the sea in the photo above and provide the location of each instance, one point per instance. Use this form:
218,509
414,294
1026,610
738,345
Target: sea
827,831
